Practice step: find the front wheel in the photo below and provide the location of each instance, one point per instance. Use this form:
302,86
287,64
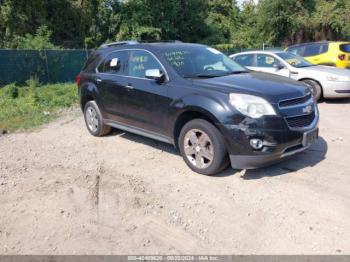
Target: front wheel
315,88
203,147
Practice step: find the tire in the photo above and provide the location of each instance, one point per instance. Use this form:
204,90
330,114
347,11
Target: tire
315,88
94,121
203,147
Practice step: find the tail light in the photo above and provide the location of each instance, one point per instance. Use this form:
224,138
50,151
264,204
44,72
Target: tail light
341,57
78,80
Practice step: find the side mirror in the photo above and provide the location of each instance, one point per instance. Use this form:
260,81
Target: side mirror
278,67
155,74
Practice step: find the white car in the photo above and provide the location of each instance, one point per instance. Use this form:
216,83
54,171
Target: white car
325,81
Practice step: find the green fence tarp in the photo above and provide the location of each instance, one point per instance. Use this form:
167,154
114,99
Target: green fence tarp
51,66
48,66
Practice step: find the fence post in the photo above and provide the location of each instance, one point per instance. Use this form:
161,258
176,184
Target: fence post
47,67
87,52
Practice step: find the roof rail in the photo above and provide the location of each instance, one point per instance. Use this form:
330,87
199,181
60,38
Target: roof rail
160,41
119,43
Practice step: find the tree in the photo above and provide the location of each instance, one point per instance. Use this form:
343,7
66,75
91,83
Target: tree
174,19
330,20
222,20
89,23
18,18
40,40
279,21
247,34
21,17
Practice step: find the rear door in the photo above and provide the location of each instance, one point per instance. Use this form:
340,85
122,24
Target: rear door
315,53
111,83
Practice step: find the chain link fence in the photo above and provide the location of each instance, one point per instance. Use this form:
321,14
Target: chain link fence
54,66
233,50
48,66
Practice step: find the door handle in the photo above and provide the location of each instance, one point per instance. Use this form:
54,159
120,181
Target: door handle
98,79
129,86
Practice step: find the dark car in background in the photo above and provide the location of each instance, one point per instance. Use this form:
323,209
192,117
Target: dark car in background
196,98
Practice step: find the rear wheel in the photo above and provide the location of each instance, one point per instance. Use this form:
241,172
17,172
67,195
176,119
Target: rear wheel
203,147
315,88
94,120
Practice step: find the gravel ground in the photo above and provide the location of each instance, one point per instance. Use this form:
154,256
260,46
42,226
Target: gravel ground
63,191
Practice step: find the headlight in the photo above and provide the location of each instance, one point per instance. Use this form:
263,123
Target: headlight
252,106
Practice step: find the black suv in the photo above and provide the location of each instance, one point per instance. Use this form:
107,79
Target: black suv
196,98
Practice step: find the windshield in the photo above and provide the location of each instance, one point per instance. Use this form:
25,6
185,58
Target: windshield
200,62
294,60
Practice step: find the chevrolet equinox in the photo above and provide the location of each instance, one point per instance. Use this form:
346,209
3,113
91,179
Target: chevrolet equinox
213,110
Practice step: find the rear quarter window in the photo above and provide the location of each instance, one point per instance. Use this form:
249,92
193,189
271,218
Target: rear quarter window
345,48
312,50
315,49
92,58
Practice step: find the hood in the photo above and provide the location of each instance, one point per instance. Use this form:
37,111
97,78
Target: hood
328,70
270,87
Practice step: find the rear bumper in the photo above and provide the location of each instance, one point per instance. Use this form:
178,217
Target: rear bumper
336,89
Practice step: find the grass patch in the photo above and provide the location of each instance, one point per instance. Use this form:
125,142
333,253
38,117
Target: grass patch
33,105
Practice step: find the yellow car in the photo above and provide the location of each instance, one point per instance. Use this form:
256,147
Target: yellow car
324,53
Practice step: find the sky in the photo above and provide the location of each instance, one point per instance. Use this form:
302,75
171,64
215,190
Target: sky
240,2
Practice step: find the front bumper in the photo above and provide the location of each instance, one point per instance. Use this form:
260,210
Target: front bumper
336,89
280,141
257,161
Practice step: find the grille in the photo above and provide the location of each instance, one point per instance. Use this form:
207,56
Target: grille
301,121
295,101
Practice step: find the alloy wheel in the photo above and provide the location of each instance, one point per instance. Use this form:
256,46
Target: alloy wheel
198,148
91,119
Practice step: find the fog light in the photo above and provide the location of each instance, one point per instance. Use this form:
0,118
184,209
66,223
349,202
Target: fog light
256,143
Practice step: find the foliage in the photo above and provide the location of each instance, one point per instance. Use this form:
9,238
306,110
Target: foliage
89,23
33,105
39,41
222,21
168,20
247,34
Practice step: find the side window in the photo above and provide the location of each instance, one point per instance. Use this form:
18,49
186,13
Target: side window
267,61
324,48
312,50
296,50
245,60
114,63
140,61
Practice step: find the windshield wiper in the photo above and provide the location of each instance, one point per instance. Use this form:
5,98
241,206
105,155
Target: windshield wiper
236,72
305,66
216,75
201,76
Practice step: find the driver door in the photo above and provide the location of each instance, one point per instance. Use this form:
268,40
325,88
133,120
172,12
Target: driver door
146,102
